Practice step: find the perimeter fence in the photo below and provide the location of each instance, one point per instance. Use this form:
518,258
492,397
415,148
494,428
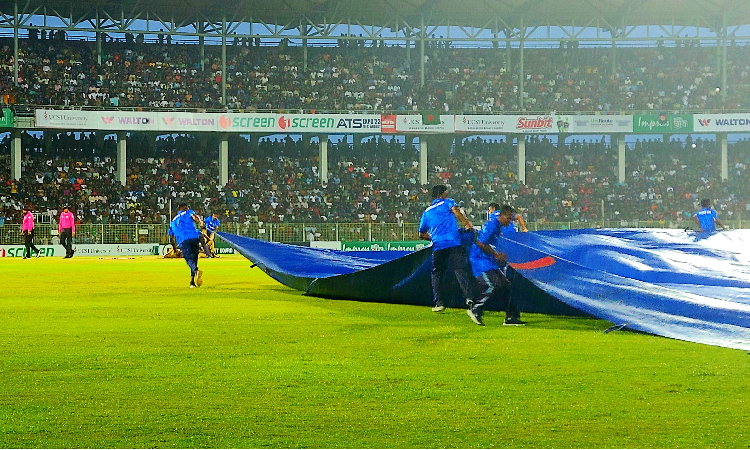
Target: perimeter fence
10,234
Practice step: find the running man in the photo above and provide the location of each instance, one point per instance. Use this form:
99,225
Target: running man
486,263
183,233
212,225
449,257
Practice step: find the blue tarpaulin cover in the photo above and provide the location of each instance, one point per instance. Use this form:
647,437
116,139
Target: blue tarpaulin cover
673,283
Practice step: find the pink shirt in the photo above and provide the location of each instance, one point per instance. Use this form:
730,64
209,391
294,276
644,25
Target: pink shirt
67,220
28,222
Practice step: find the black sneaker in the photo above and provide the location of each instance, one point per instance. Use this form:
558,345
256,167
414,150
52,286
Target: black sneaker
514,321
476,318
469,303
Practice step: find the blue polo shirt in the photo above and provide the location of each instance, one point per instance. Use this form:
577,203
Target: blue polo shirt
212,224
480,260
440,221
707,219
182,227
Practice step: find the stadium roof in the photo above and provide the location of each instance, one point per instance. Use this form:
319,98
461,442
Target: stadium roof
466,13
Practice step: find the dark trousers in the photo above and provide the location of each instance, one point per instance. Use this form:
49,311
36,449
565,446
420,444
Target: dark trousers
447,263
28,241
494,285
189,248
204,245
66,240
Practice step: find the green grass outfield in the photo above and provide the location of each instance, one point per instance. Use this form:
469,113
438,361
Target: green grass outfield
119,353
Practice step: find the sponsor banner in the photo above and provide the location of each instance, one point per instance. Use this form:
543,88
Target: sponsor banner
594,124
388,123
300,123
163,249
739,123
248,123
65,119
330,123
221,247
329,245
126,120
352,246
97,120
539,124
363,123
535,124
478,123
663,123
177,121
16,251
7,120
413,124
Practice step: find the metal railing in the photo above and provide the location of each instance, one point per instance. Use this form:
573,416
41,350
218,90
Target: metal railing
91,234
10,234
27,110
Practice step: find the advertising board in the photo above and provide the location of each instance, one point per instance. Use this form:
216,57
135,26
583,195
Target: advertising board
16,251
717,123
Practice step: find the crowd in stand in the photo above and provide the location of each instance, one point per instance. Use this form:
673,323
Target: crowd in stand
376,78
377,182
277,180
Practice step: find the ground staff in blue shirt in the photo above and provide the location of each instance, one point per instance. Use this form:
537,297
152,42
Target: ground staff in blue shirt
706,218
511,227
486,264
183,233
449,257
212,224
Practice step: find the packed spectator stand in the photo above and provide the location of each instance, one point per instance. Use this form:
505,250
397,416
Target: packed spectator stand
377,77
276,180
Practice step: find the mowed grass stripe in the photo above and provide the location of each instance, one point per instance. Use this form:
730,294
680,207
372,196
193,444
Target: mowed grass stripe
120,353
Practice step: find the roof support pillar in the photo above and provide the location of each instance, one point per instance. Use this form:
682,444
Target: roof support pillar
98,39
522,81
15,43
15,154
408,50
521,147
303,32
122,157
421,51
724,86
620,157
423,176
722,138
507,50
224,160
224,61
323,158
201,43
